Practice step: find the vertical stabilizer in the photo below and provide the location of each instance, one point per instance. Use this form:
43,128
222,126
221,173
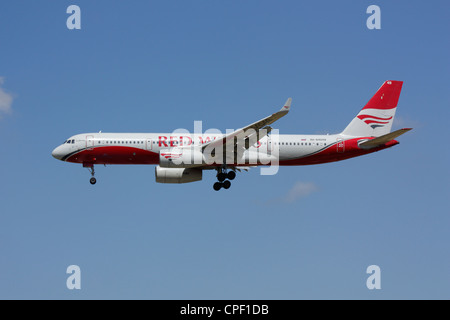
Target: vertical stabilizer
377,116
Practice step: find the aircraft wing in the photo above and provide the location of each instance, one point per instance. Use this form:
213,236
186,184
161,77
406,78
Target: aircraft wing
373,143
256,126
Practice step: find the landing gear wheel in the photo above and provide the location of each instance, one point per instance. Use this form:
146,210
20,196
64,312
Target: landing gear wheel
221,177
231,175
91,169
217,186
226,184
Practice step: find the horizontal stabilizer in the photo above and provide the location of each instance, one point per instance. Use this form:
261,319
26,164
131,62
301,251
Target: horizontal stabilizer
383,139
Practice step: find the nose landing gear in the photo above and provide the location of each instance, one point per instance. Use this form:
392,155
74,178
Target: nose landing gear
92,171
222,175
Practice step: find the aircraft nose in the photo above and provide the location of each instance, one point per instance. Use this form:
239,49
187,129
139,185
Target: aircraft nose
57,153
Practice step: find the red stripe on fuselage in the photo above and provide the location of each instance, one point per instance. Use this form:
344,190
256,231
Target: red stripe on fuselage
115,155
330,154
130,155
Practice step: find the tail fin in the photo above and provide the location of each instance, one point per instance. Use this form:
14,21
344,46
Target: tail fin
376,118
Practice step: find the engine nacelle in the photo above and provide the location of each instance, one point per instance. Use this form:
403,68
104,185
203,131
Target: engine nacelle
180,158
177,175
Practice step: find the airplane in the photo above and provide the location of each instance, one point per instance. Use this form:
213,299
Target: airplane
182,158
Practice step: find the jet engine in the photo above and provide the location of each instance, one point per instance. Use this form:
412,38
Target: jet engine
177,175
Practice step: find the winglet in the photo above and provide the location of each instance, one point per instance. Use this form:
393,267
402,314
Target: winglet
287,105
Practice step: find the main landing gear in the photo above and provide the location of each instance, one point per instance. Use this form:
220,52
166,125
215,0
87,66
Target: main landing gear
222,175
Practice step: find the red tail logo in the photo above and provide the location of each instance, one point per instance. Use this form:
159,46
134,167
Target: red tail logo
373,121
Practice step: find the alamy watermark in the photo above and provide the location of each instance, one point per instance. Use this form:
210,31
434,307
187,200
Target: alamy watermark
74,280
374,21
374,280
74,20
241,148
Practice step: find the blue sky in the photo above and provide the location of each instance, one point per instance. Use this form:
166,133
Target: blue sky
305,233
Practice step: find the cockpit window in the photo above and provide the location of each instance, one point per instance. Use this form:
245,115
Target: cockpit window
73,140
